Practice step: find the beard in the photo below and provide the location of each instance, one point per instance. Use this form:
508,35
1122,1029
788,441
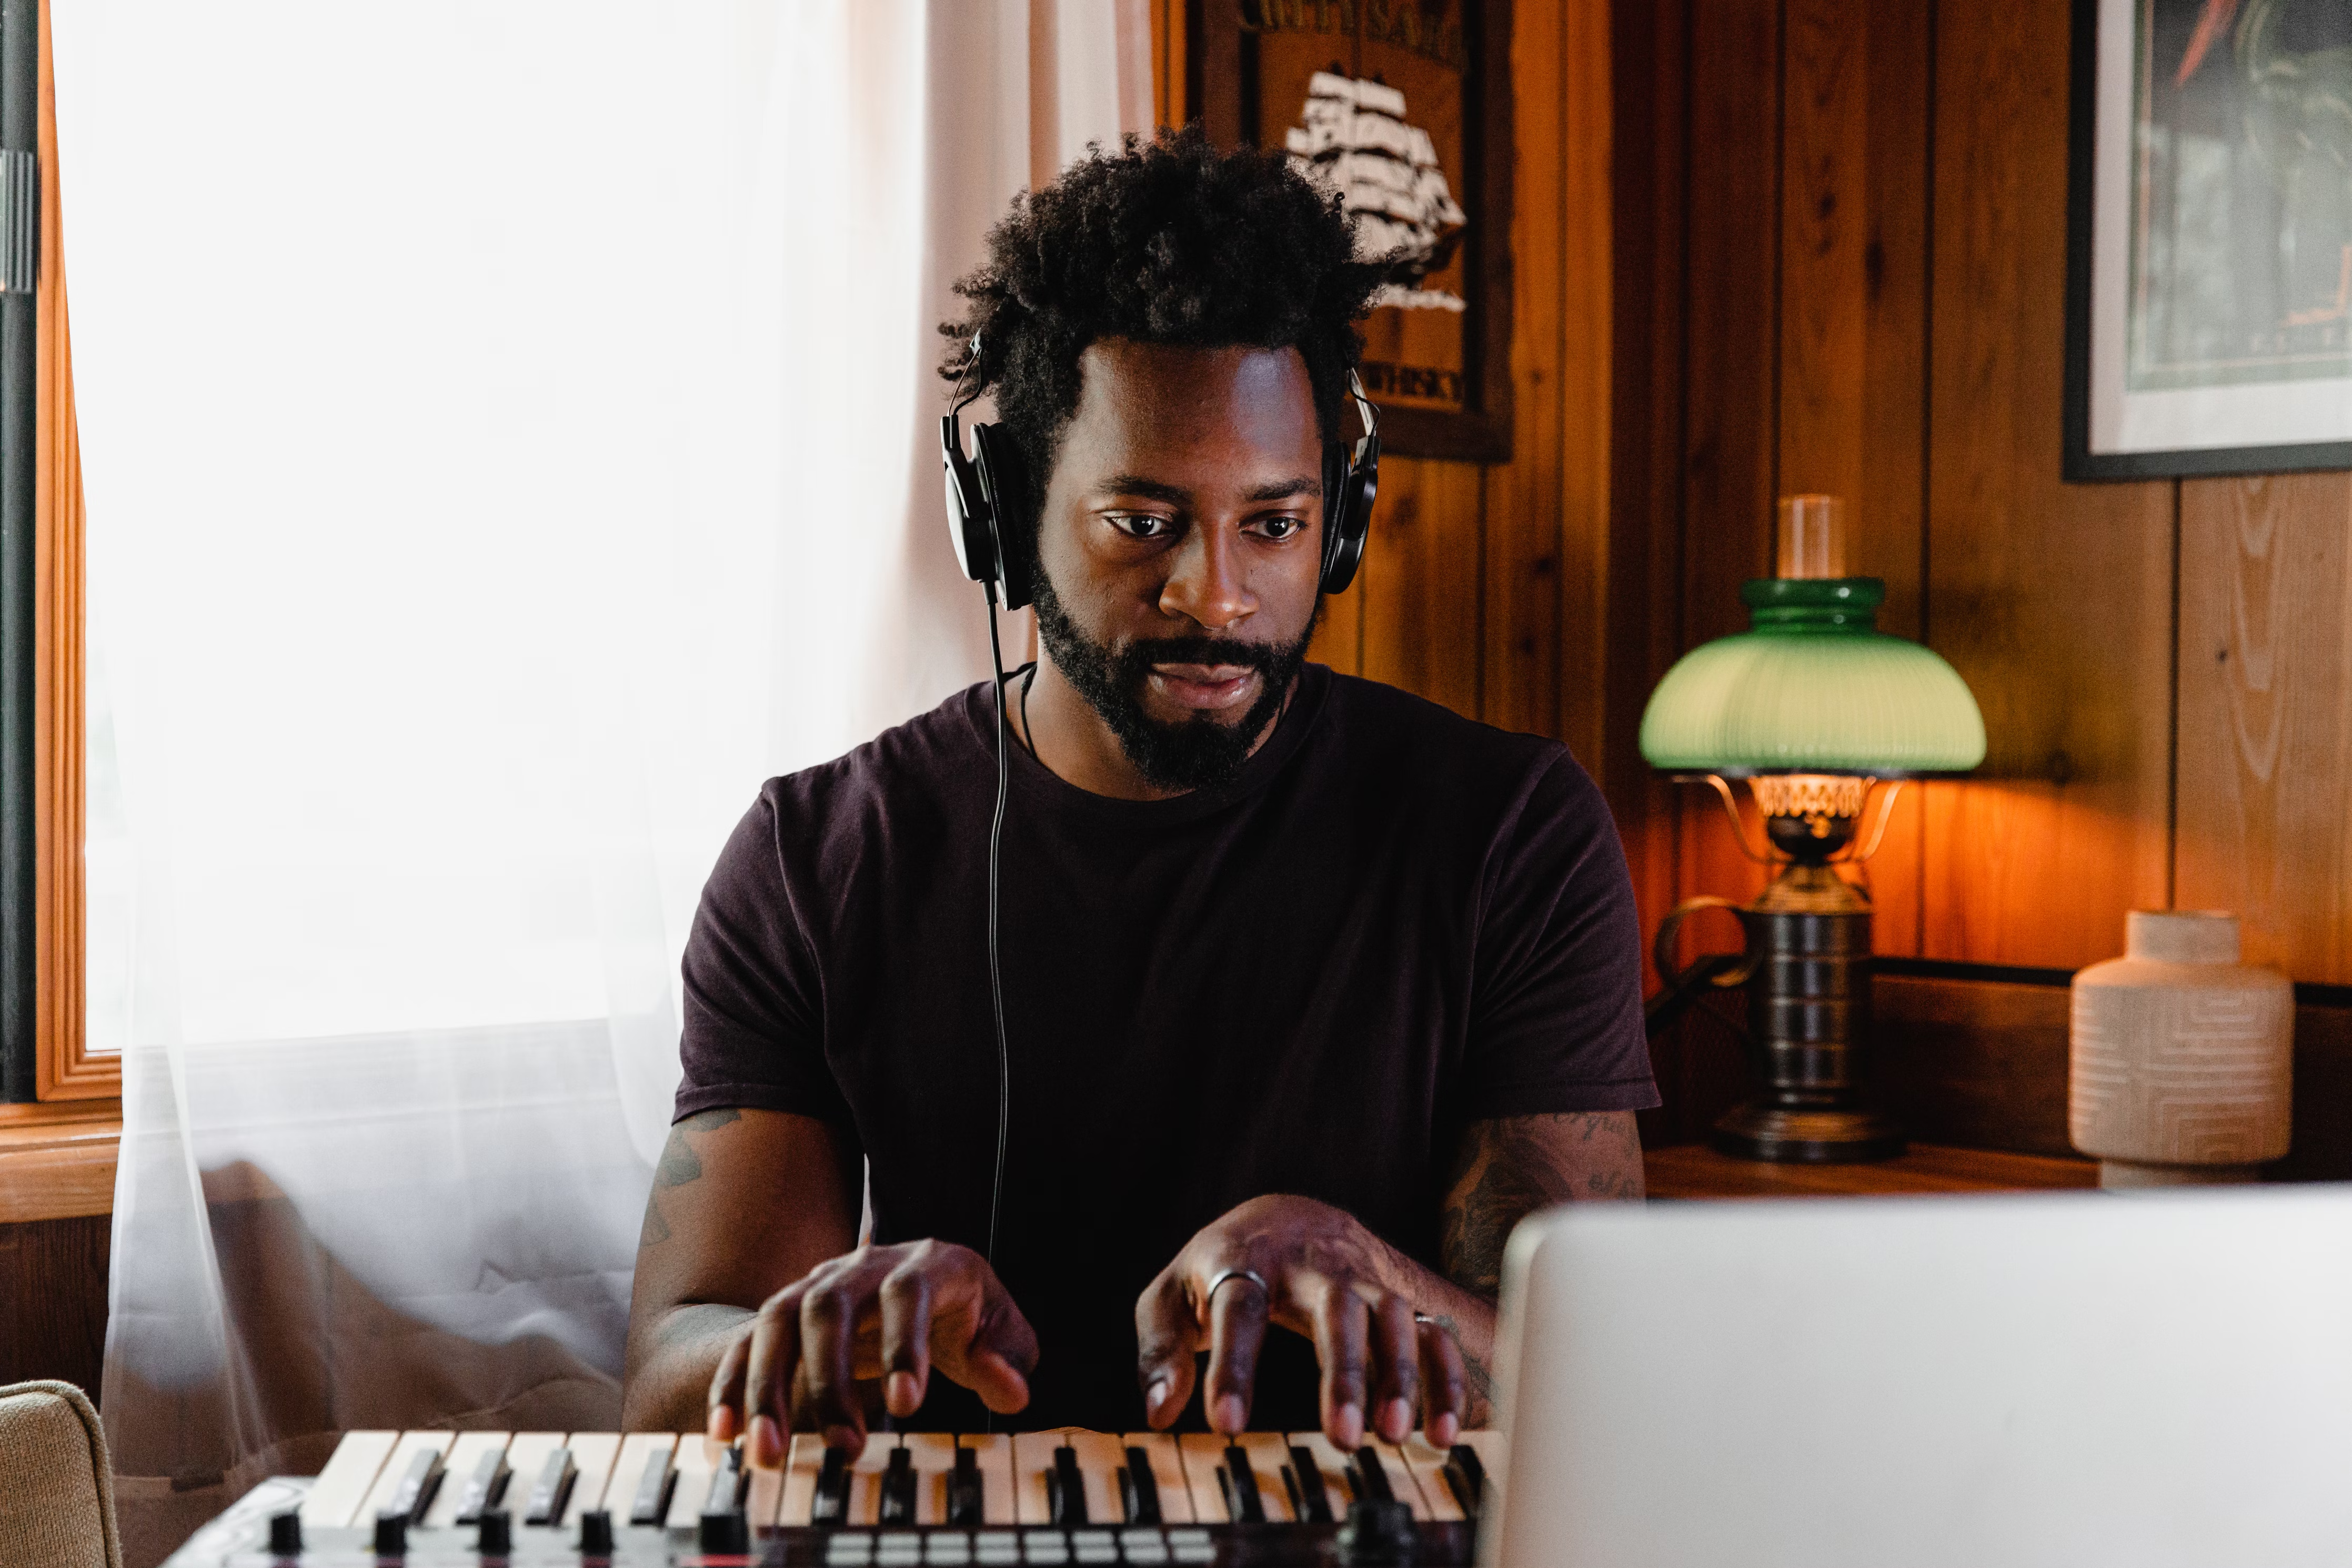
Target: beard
1194,753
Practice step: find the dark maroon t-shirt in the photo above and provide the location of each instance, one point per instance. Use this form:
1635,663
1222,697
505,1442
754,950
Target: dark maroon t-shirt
1394,920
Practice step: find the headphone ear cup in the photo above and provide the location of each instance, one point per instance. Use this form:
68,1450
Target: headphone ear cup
972,526
1348,514
1005,477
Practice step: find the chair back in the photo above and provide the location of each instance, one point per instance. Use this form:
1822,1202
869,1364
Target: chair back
56,1488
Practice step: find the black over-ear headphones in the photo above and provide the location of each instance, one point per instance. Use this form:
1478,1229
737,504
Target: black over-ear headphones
983,486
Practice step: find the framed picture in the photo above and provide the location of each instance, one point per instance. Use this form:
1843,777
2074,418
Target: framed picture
2208,316
1405,106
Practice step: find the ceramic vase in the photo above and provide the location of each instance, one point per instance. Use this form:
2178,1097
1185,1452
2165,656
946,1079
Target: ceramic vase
2182,1056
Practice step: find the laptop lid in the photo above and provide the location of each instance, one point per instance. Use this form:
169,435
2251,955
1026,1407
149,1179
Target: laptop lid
2076,1380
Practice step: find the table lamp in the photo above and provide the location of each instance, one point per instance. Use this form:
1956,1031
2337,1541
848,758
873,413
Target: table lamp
1814,707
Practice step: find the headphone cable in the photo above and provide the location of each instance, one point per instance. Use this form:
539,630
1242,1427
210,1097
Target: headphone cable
995,974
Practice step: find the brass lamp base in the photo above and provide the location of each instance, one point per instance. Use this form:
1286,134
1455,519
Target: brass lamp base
1809,1134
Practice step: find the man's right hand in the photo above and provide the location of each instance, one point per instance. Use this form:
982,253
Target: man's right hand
889,1312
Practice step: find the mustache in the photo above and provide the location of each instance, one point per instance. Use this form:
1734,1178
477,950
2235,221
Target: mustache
1136,657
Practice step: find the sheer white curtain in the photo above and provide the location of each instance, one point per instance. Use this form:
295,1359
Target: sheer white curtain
508,437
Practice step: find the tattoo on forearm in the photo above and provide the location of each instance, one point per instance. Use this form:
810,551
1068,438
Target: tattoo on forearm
1510,1167
679,1164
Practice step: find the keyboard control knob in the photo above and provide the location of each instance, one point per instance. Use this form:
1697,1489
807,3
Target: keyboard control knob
286,1534
1378,1533
391,1534
497,1538
724,1532
596,1534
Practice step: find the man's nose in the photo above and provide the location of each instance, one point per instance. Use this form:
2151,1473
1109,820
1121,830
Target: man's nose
1206,585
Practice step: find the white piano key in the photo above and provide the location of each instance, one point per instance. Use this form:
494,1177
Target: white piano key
592,1453
395,1470
763,1495
1400,1480
803,1462
933,1456
1427,1466
335,1496
637,1450
1032,1459
1269,1455
1338,1485
997,1504
1100,1454
1203,1452
1168,1470
696,1457
865,1478
457,1467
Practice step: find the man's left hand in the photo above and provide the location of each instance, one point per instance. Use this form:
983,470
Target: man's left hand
1325,1277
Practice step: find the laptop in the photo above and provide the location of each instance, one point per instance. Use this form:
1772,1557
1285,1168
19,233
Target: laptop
2080,1379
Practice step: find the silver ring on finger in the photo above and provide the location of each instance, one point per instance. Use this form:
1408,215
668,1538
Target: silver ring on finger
1252,1275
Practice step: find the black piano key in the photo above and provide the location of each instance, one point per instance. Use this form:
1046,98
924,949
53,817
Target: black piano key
727,1484
549,1492
1467,1477
898,1487
414,1493
831,1505
1066,1489
1314,1499
651,1505
1246,1505
967,1504
1370,1478
483,1488
1138,1489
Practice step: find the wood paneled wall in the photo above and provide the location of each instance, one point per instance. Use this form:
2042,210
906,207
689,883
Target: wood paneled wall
1484,588
1849,221
1771,245
53,1300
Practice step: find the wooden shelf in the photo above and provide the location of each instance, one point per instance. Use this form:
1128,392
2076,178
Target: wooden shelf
1696,1170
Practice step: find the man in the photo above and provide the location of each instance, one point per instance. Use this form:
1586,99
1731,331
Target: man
1312,989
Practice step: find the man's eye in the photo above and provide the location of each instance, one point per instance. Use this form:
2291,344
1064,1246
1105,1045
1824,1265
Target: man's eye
1282,527
1139,525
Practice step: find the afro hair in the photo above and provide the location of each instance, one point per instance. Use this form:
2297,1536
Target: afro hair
1169,241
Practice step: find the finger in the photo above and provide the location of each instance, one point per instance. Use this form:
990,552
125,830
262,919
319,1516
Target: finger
1167,1336
769,1352
906,1299
1396,1367
828,1325
1445,1384
1003,1348
1335,1315
725,1416
1236,1332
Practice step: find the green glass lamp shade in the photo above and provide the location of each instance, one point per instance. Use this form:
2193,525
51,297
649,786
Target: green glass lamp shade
1813,685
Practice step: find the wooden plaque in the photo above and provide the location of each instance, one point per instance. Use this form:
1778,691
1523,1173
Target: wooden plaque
1405,105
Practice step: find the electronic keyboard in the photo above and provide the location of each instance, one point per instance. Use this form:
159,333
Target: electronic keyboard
537,1500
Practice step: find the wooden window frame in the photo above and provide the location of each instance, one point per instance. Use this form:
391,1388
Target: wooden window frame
65,1071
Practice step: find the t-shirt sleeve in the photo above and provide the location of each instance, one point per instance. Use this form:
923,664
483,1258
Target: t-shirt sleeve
754,1031
1556,1006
